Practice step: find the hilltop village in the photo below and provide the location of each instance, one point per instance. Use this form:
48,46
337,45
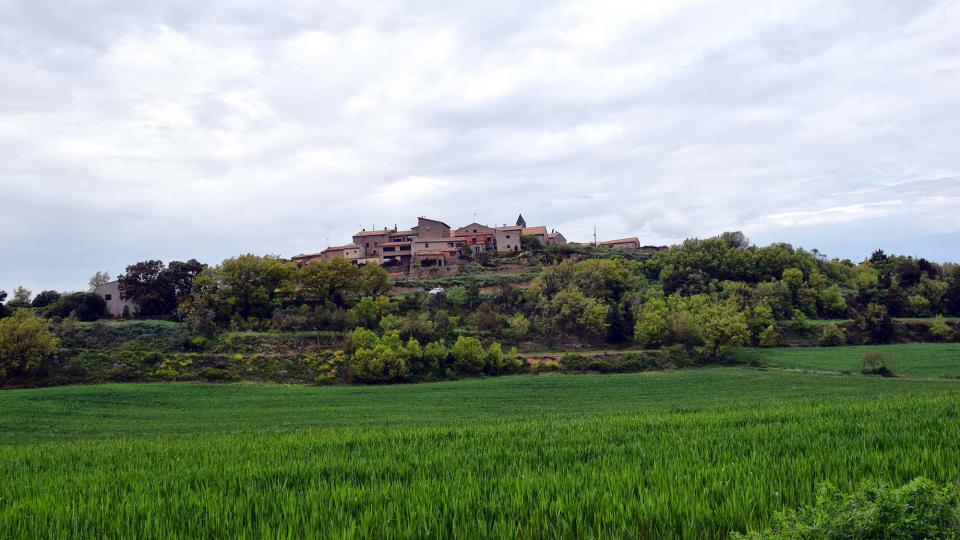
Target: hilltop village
432,243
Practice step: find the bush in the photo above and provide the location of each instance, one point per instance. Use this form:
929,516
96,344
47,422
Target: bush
877,363
832,335
25,342
940,330
86,306
920,509
468,355
771,337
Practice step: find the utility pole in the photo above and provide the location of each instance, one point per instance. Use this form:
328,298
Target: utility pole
594,235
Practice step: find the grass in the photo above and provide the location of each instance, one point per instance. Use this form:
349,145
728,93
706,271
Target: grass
690,454
922,360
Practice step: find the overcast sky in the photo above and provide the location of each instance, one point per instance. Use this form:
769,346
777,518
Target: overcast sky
179,129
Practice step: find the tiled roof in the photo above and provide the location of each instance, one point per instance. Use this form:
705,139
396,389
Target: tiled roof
540,229
622,241
379,232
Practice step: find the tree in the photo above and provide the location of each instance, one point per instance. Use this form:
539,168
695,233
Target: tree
85,306
486,318
832,335
495,361
45,298
25,342
651,328
468,355
98,279
724,329
20,299
876,323
833,301
434,355
4,312
366,313
373,280
379,364
144,283
457,296
770,337
253,286
530,242
939,329
735,239
574,313
179,276
793,277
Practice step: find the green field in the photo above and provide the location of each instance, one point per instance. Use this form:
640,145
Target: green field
694,454
920,360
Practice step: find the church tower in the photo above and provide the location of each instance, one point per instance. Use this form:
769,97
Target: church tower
520,221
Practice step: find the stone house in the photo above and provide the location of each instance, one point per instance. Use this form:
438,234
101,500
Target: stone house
554,237
623,244
110,292
508,238
479,237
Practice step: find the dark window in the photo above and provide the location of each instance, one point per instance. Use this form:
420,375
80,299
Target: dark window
108,297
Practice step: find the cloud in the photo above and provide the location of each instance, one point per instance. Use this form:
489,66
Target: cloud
177,130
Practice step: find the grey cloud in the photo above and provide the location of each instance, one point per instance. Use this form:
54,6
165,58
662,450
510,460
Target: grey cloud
177,129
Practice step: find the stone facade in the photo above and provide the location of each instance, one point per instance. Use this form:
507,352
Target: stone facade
110,292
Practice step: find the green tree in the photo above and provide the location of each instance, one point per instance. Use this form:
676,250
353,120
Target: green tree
724,329
365,313
487,318
495,360
518,326
245,286
45,298
373,280
25,342
20,298
919,305
940,330
799,321
468,355
576,314
793,277
833,301
831,335
86,306
435,355
362,338
530,242
98,279
770,337
380,364
457,296
651,329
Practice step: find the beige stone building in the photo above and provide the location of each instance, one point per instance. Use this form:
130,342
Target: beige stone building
110,292
623,244
370,242
508,238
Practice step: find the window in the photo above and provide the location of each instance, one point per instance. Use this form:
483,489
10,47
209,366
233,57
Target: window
508,236
108,297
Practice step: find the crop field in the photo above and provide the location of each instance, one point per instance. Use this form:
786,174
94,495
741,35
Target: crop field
918,360
695,454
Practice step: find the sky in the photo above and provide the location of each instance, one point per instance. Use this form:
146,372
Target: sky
181,129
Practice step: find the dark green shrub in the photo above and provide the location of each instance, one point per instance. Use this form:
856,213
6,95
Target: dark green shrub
877,363
920,509
831,335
